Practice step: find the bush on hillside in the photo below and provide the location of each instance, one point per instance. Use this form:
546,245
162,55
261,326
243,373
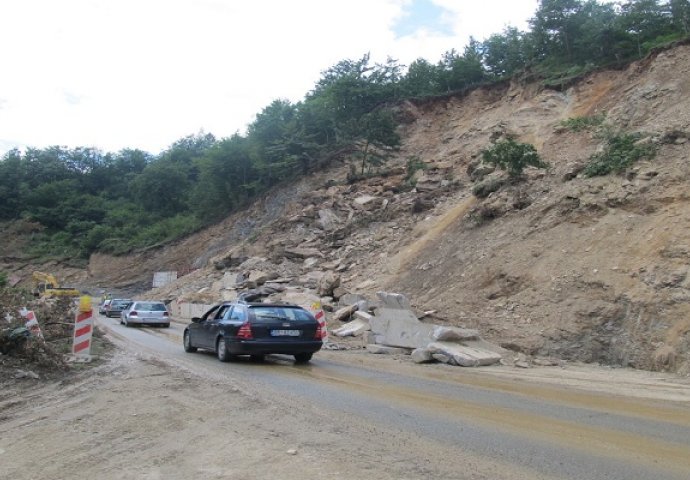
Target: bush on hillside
620,152
513,157
579,124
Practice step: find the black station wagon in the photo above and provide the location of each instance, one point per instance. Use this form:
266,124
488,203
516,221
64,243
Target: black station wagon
255,329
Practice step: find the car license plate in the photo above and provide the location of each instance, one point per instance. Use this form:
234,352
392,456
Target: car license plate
285,333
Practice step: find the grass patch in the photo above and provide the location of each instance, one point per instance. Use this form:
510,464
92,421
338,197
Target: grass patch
580,124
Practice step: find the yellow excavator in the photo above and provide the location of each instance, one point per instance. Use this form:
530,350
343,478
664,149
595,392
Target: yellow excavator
47,286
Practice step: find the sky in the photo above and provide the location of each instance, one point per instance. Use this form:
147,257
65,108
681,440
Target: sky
115,74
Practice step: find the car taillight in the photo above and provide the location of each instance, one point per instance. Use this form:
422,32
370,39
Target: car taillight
319,332
133,313
245,331
166,314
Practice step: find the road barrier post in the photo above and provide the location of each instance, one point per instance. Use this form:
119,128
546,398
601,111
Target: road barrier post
31,322
83,328
320,316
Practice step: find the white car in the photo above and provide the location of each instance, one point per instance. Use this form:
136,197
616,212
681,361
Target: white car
145,312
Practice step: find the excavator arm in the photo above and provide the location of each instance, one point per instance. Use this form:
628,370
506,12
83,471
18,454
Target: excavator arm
46,285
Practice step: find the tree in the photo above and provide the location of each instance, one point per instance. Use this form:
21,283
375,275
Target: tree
422,79
353,97
554,27
645,20
280,147
162,188
227,179
11,180
458,72
378,138
680,11
513,157
574,32
595,33
505,53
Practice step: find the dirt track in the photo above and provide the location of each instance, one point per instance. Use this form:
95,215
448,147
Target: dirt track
141,416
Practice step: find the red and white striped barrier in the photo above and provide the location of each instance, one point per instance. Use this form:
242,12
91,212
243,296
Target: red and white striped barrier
31,322
83,328
320,316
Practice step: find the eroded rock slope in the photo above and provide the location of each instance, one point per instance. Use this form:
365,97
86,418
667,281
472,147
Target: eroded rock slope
561,265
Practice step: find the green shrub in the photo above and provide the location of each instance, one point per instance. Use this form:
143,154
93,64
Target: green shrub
620,152
579,124
512,156
3,279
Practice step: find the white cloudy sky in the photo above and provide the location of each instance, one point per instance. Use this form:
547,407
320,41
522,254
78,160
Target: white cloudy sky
116,74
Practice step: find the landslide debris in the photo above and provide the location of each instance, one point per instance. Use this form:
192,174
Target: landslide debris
559,264
26,354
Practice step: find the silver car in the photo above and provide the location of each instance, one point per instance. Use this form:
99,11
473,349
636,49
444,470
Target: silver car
103,307
145,312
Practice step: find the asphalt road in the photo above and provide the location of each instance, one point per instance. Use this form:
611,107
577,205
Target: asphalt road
550,431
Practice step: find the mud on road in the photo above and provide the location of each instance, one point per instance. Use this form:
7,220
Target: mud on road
140,416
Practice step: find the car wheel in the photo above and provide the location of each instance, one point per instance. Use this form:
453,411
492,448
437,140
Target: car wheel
303,357
222,350
257,358
188,343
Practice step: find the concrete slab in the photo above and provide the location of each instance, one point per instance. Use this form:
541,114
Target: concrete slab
421,355
454,334
394,300
355,328
400,328
464,355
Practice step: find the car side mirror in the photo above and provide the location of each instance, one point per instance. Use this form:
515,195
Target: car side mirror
196,319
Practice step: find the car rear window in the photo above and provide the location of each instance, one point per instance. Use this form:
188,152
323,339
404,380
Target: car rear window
150,306
119,303
270,313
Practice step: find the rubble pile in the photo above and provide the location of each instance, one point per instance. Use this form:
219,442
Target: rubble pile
25,350
393,328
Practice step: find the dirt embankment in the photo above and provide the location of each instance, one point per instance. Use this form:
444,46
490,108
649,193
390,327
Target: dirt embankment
588,269
593,269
